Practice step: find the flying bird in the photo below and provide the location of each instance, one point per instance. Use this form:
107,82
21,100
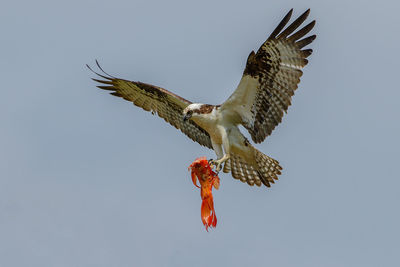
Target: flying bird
263,95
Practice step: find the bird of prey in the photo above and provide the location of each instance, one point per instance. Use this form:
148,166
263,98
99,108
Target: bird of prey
262,97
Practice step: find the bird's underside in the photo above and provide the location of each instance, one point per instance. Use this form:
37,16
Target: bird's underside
262,97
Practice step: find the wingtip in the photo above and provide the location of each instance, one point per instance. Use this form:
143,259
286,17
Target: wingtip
305,14
98,65
98,74
102,81
281,24
108,88
294,25
87,65
306,52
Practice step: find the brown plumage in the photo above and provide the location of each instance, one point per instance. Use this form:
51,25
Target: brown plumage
261,170
165,104
276,67
262,97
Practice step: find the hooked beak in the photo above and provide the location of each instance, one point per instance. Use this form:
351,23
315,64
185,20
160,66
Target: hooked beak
186,117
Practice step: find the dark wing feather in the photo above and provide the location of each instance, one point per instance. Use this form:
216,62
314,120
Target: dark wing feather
157,100
270,78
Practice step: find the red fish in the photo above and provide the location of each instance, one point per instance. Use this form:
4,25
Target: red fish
201,170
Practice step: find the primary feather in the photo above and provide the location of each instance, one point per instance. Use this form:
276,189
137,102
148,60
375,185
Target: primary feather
270,78
262,97
165,104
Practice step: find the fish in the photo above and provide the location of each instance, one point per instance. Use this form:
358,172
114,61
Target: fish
201,171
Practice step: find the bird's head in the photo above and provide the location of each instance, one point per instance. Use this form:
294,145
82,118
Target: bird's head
192,111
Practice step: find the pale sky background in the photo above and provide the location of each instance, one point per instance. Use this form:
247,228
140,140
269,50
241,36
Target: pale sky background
87,179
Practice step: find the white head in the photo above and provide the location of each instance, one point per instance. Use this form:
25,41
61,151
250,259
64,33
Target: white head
195,110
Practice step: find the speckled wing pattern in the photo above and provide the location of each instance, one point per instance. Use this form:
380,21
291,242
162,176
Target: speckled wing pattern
265,171
157,100
270,78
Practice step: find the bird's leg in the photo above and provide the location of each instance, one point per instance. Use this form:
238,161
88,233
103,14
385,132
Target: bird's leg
218,163
222,157
220,154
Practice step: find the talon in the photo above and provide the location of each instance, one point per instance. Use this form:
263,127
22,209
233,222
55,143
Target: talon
215,164
218,167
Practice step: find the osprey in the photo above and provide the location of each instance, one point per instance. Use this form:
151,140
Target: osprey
263,95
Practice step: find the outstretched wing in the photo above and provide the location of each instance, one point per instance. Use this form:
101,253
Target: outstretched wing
270,78
157,100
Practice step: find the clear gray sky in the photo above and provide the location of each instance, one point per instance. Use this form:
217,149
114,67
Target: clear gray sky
87,179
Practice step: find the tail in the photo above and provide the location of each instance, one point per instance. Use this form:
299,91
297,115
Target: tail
208,212
260,170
